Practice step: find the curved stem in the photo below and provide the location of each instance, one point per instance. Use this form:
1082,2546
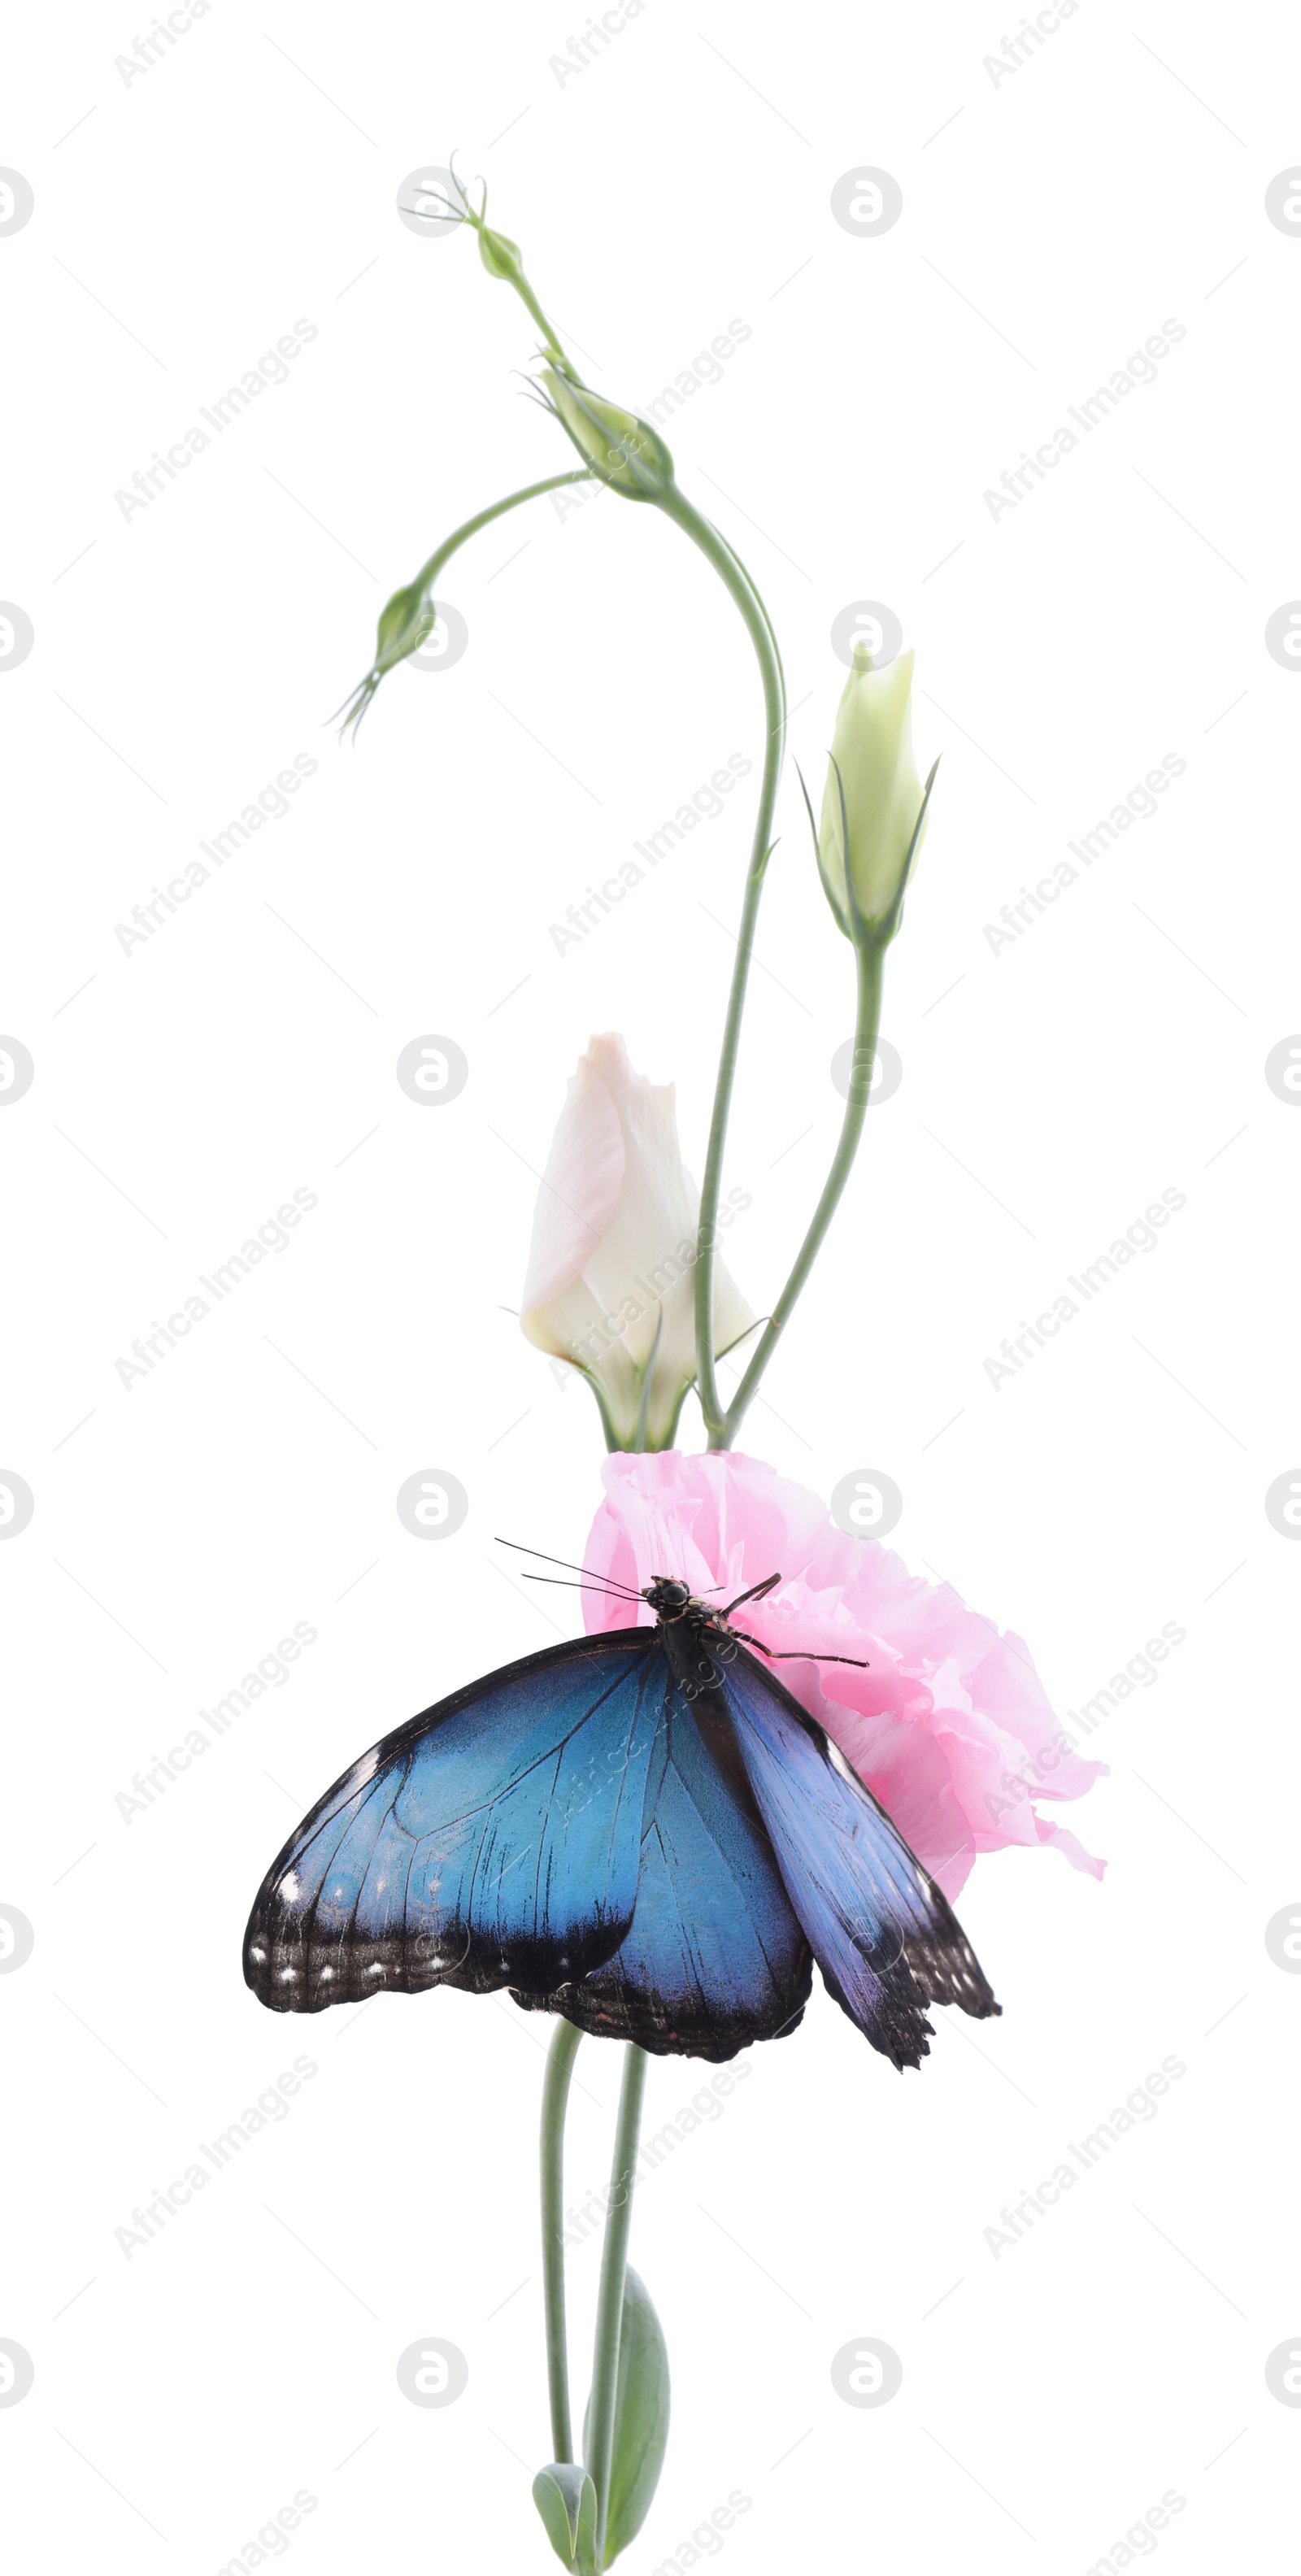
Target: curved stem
532,491
871,963
355,706
609,2307
717,552
555,2097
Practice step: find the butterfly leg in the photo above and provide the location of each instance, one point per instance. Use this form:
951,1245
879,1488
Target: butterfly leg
775,1658
755,1593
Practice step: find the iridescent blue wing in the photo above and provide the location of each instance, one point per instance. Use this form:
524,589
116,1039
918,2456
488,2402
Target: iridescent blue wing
716,1956
493,1840
882,1932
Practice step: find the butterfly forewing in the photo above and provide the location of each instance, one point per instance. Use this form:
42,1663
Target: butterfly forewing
493,1840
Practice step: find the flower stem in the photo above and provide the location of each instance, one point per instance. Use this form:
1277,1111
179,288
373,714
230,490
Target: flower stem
870,955
609,2308
356,704
555,2097
429,572
733,574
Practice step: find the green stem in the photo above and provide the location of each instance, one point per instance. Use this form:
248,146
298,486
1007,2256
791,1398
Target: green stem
870,955
609,2306
531,305
355,706
429,573
555,2097
730,571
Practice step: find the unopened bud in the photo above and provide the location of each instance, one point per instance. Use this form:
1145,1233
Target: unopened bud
501,256
620,447
405,622
873,807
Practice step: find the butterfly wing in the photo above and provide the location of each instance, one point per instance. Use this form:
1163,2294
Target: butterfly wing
493,1840
715,1956
882,1932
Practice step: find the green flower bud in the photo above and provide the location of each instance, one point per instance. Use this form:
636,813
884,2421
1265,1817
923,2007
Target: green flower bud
501,257
873,796
618,446
404,624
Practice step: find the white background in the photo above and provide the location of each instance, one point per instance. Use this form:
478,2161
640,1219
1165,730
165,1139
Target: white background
1051,223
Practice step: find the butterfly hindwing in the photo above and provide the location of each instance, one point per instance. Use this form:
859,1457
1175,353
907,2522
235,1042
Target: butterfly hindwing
881,1931
715,1957
494,1840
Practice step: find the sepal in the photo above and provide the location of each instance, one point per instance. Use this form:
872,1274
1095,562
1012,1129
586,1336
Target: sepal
566,2499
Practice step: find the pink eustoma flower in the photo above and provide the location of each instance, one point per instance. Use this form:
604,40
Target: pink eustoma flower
949,1725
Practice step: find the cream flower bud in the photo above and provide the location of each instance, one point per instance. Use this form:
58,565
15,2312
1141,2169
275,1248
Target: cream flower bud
611,1275
873,789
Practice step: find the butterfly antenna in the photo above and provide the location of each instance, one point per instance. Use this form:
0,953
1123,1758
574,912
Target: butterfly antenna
570,1567
566,1583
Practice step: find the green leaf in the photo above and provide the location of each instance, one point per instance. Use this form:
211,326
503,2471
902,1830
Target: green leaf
641,2417
566,2499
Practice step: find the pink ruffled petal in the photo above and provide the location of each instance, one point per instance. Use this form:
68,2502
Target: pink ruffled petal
949,1723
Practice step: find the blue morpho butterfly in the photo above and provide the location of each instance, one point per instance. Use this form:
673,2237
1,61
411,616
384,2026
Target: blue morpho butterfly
641,1830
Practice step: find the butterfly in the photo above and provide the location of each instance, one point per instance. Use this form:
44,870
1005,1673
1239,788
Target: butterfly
641,1830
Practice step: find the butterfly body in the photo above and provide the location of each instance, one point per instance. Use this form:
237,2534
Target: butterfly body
642,1830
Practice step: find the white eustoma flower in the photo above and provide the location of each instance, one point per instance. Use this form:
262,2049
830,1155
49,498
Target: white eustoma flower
611,1275
872,749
